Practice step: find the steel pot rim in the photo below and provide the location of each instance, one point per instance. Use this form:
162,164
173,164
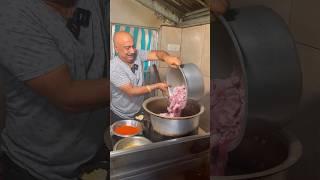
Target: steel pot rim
144,105
295,151
141,138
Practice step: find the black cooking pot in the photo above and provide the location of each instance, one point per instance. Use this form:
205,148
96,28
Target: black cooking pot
258,40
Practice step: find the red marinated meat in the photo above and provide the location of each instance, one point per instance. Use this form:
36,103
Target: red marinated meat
178,101
227,116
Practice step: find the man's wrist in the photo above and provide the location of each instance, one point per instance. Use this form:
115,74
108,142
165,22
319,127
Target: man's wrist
149,88
162,55
165,59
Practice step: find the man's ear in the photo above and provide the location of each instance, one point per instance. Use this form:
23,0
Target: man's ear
115,50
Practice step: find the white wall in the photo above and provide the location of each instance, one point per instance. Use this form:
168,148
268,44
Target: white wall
133,13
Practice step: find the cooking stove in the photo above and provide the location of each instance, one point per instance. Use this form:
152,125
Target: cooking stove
152,135
182,156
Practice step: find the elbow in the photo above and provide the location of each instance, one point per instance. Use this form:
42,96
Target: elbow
134,93
130,94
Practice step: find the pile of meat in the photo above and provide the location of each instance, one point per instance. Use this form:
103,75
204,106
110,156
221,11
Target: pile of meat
178,101
227,116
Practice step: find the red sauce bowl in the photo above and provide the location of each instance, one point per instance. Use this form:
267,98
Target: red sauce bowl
126,128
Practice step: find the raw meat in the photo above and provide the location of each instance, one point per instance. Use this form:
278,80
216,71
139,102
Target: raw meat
227,114
178,101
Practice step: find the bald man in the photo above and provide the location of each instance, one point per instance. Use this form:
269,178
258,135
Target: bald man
126,76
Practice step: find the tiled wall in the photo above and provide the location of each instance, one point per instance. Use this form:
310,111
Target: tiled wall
194,48
303,20
305,26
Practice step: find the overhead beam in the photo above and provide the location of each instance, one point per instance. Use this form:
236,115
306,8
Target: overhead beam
195,16
171,8
202,3
195,22
154,5
206,10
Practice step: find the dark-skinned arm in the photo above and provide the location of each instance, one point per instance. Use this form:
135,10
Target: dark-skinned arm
71,95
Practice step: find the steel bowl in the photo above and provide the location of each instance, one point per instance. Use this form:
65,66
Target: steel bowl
173,126
131,142
132,123
188,75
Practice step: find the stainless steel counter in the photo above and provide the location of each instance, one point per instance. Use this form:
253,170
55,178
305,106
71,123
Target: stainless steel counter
180,158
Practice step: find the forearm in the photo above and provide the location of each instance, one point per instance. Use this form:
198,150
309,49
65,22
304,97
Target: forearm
85,95
71,95
139,90
158,55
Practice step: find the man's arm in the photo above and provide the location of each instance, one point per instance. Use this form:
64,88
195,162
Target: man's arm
131,90
165,57
71,95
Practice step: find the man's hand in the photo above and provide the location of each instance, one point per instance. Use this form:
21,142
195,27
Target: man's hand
173,61
162,86
219,6
131,90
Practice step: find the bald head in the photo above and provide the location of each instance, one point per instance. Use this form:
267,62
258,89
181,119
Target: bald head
124,46
121,37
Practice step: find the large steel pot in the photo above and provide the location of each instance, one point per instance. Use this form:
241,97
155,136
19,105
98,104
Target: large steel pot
188,75
177,126
260,41
263,156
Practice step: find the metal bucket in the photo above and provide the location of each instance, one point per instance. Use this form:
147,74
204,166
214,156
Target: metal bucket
176,126
190,76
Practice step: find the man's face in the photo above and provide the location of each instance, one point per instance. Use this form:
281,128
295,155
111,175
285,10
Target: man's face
125,49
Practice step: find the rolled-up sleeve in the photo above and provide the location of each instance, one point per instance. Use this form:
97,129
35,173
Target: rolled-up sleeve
118,76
